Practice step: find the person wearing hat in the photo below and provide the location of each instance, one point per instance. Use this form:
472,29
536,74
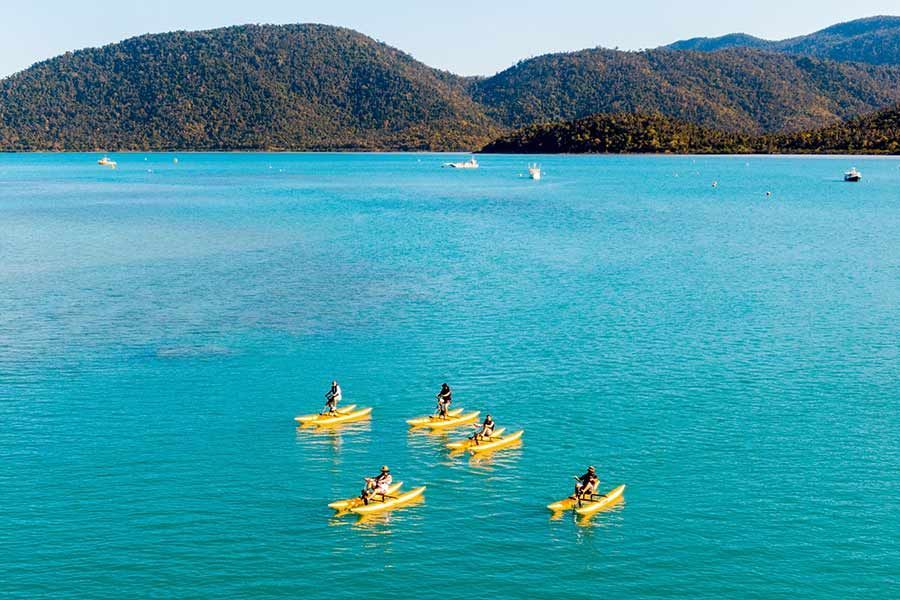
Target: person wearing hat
377,485
586,485
332,397
485,430
444,398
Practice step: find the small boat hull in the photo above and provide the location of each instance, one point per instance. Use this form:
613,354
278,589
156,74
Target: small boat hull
469,164
424,421
503,442
438,424
310,418
357,415
462,445
346,505
609,500
389,504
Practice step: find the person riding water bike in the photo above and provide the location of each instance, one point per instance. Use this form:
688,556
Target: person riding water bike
586,485
444,398
486,430
377,485
332,397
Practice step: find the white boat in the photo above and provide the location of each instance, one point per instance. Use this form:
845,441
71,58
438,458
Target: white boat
852,175
534,171
106,162
469,164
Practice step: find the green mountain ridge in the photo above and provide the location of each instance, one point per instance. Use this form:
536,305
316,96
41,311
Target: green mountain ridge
279,87
737,89
319,87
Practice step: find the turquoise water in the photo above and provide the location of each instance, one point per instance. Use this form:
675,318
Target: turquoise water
732,358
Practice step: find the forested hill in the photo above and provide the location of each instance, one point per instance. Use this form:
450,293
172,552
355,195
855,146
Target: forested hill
317,87
279,87
739,90
874,40
878,133
620,133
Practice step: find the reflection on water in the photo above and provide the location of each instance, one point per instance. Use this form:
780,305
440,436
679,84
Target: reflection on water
334,433
610,517
328,444
431,435
499,458
433,442
605,518
557,515
378,523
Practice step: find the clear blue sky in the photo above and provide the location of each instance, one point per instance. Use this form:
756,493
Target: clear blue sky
464,36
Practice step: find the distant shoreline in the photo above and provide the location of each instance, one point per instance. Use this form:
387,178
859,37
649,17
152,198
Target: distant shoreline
459,152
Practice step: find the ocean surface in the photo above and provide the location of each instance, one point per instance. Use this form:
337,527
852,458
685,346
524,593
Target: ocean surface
730,356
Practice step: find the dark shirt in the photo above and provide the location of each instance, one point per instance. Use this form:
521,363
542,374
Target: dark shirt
589,478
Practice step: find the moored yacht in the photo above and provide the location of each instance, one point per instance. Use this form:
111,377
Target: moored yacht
469,164
852,175
534,171
106,162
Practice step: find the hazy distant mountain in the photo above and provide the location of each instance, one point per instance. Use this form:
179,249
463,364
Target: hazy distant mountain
732,40
874,40
292,86
322,87
737,89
